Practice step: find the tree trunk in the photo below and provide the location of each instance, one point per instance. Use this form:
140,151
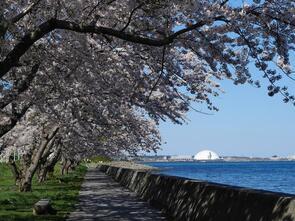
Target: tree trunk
47,162
69,165
49,166
64,165
15,171
26,182
50,171
42,174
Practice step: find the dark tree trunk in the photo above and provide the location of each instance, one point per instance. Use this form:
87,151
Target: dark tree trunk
48,163
15,171
26,185
64,165
47,169
26,181
42,175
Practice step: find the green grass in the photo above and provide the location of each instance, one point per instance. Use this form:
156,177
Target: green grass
62,190
98,159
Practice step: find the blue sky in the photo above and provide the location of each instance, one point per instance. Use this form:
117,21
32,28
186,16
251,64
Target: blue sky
249,123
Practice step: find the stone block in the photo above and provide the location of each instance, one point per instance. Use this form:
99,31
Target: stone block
43,207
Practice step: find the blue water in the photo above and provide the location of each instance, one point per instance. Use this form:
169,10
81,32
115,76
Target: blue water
272,176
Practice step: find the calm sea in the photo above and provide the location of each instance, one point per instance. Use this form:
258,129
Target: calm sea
273,176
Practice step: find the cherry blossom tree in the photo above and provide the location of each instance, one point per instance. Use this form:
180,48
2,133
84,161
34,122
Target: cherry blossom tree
106,71
75,131
212,38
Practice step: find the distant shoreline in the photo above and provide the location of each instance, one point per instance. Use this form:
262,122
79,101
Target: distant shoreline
221,160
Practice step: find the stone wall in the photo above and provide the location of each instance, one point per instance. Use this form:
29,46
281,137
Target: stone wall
185,199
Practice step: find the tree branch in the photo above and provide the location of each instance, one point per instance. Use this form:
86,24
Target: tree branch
24,12
19,88
29,39
160,76
272,16
130,16
5,128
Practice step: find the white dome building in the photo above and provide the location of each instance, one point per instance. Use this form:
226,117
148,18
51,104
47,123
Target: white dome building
206,155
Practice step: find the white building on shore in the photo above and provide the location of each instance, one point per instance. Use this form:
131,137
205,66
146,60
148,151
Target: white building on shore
206,155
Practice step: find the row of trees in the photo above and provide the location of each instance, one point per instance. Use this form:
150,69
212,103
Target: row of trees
82,78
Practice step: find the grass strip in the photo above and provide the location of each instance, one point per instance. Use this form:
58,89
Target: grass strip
62,190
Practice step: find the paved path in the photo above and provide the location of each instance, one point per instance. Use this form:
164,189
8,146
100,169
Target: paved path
103,199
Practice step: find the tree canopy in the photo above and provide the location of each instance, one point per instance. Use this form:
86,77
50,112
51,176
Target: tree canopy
105,72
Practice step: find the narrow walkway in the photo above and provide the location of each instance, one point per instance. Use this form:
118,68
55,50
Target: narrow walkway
103,199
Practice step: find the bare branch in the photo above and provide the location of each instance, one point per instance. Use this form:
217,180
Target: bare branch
24,12
130,16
